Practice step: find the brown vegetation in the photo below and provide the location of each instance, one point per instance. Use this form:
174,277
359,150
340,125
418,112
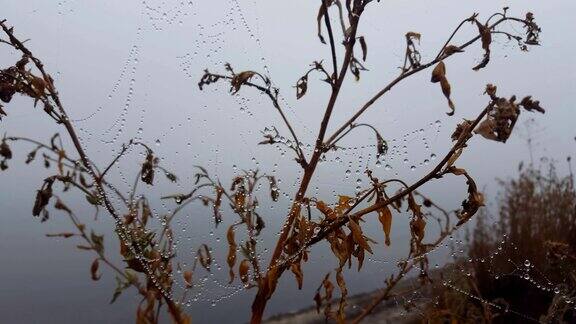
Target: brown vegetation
148,253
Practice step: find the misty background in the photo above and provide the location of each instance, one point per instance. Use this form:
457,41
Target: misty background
129,69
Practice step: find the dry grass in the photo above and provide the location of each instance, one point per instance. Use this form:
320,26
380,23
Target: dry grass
533,274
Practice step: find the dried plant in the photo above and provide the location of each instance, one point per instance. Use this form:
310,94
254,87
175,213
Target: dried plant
311,219
529,251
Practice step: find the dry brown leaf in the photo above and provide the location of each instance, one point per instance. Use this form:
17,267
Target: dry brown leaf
297,271
451,49
217,203
439,75
324,209
418,225
188,278
301,86
359,253
381,145
343,296
239,79
413,35
321,13
486,38
413,206
446,89
385,218
243,271
39,85
491,89
204,257
439,72
358,236
364,47
343,204
231,260
94,270
487,128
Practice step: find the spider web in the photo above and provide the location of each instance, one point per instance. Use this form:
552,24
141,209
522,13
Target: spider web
220,132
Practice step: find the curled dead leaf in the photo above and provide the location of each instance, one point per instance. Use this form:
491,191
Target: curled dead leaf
385,218
188,278
231,260
451,49
297,271
243,271
42,198
487,129
239,79
531,105
364,47
216,206
204,256
439,75
301,86
418,225
490,90
343,296
94,270
358,236
381,144
486,38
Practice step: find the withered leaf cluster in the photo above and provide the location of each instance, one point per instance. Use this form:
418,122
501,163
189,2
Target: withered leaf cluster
501,119
532,30
19,79
5,154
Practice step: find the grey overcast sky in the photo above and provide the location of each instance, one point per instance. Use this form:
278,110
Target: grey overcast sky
129,69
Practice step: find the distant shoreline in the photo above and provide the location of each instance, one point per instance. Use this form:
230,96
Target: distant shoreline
389,311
